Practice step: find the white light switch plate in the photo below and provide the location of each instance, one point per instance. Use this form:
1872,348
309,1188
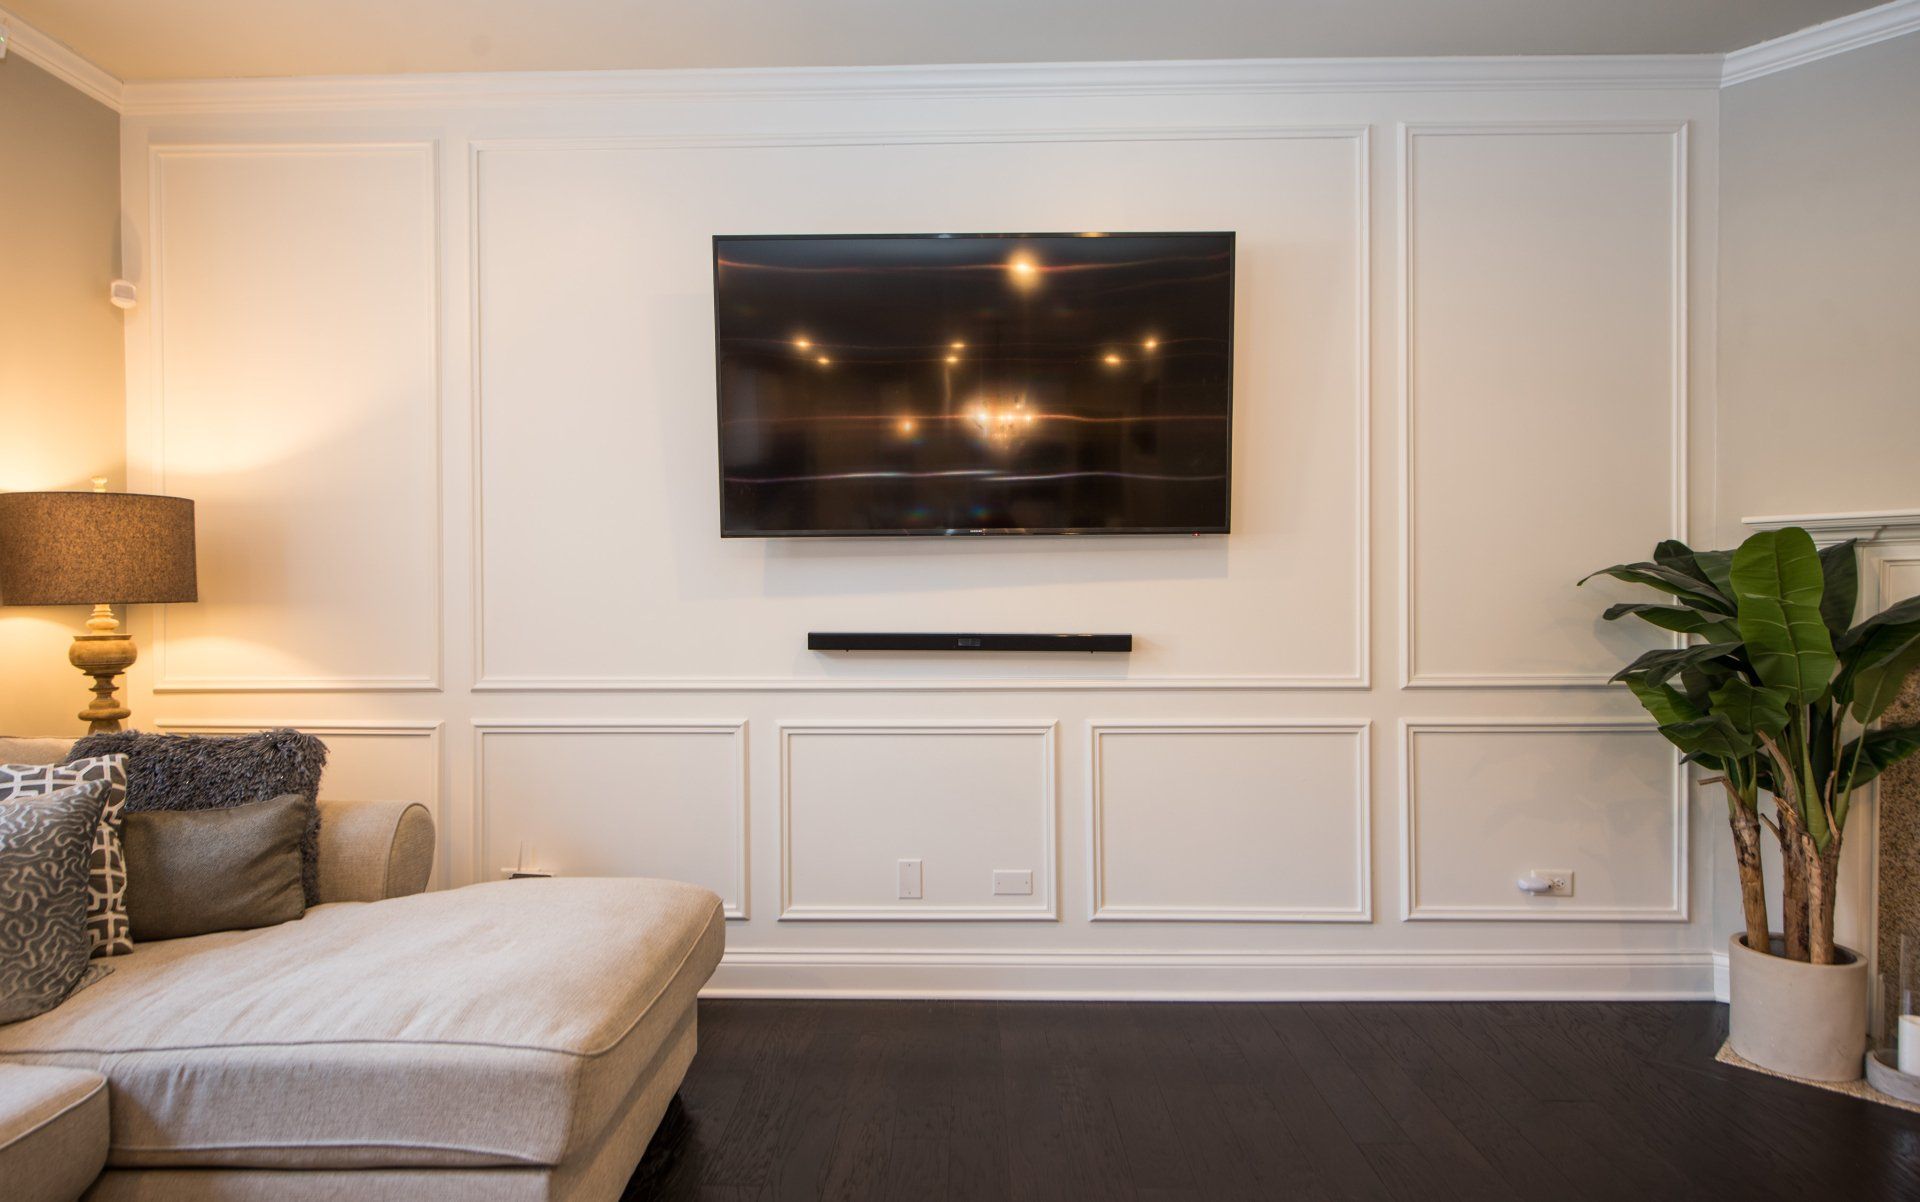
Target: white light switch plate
1016,882
910,878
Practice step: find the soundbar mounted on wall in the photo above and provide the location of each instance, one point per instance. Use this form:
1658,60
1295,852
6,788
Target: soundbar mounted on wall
835,641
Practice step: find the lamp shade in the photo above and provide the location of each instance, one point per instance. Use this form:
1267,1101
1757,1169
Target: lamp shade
93,548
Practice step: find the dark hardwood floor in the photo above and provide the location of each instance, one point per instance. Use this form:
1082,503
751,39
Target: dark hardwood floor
1504,1102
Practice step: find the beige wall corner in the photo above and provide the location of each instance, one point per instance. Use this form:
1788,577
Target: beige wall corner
62,395
1820,286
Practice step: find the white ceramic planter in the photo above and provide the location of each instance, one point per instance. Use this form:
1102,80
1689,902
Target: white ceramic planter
1804,1020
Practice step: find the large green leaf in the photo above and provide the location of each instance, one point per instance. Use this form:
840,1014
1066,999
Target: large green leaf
1673,617
1777,585
1752,711
1712,736
1899,614
1667,704
1673,554
1874,645
1667,580
1698,681
1660,666
1840,573
1712,763
1717,567
1879,666
1820,744
1879,750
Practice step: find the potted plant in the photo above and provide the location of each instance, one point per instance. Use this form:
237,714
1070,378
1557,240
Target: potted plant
1778,698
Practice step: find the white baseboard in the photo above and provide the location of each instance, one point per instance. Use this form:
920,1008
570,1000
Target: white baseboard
1221,976
1721,992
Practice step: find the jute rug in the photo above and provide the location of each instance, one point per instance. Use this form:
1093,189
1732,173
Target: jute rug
1854,1089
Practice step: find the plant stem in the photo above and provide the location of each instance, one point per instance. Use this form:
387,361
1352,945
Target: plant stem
1795,845
1745,820
1823,880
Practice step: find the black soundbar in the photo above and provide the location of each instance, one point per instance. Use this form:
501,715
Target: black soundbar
835,641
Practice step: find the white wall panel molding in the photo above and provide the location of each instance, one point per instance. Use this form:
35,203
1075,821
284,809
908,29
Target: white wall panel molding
1184,810
1187,975
1042,823
1675,431
1851,32
428,733
1523,909
430,618
734,898
1359,637
1044,81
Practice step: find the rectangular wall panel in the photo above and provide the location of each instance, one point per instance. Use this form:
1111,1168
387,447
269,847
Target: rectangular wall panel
1486,802
1544,397
375,760
615,799
1229,821
1899,579
296,345
966,799
595,313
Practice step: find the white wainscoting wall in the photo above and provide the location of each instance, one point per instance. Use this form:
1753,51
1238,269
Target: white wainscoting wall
436,363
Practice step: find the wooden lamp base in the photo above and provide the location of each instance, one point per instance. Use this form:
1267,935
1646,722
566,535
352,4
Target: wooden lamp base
104,655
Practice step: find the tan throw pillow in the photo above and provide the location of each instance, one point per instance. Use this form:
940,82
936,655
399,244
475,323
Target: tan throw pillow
106,869
192,872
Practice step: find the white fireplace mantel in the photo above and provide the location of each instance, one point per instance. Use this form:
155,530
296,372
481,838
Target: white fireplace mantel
1873,526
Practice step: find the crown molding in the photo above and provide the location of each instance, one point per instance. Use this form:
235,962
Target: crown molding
1060,80
1884,525
1054,80
59,61
1833,37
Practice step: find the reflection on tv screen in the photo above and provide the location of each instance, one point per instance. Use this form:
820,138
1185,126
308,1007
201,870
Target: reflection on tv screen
955,384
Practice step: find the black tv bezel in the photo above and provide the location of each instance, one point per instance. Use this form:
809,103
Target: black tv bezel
1225,527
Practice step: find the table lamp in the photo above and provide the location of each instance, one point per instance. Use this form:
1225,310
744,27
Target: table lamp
101,549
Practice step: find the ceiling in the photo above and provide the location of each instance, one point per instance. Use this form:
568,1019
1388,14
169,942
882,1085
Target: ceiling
195,39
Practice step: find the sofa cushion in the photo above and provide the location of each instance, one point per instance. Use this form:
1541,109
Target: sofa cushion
500,1024
33,749
53,1131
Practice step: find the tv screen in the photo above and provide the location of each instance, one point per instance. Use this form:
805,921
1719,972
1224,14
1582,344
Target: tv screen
974,383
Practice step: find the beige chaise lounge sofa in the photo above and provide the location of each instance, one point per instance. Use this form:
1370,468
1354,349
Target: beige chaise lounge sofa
509,1040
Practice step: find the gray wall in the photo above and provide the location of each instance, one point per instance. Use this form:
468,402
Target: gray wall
62,381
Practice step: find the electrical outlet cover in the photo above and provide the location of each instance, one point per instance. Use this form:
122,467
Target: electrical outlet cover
1562,881
910,879
1013,882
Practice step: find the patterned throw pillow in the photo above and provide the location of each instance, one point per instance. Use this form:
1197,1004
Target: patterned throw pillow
45,846
107,931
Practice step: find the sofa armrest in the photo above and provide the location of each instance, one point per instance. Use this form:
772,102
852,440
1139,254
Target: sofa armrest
373,850
53,1131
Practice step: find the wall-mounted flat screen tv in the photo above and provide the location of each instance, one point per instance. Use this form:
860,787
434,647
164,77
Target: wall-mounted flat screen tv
977,384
